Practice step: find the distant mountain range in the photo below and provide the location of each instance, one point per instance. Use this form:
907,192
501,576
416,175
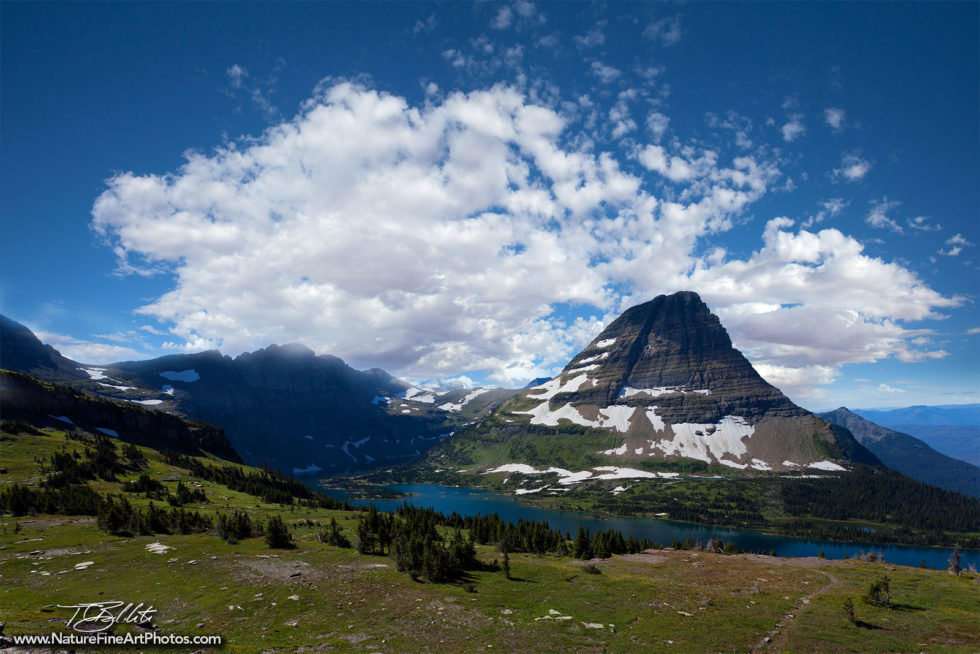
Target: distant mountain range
660,389
282,405
909,455
953,429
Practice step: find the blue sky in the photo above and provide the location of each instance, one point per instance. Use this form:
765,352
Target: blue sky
457,189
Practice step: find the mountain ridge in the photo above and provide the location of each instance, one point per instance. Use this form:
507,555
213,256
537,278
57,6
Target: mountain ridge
909,455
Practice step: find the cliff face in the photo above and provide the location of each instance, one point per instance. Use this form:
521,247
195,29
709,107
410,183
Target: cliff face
22,396
665,379
674,353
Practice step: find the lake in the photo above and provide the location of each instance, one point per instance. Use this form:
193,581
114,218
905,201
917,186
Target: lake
472,501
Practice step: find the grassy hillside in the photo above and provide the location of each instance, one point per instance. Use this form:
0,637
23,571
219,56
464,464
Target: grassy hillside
327,598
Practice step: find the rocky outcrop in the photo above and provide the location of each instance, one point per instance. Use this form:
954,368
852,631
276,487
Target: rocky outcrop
24,397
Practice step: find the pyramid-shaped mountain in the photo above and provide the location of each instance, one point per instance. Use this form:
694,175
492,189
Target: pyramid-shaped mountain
661,382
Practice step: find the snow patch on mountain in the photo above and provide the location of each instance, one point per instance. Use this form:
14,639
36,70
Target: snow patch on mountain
606,342
95,373
827,465
661,390
469,397
118,388
707,441
617,417
418,395
598,357
553,387
543,415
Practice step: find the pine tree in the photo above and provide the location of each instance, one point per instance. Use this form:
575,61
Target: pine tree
277,534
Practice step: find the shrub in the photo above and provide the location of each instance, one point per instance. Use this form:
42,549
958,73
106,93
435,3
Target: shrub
878,593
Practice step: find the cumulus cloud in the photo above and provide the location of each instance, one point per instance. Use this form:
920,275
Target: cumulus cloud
606,74
853,168
666,31
815,299
834,118
956,243
657,123
440,239
878,215
794,128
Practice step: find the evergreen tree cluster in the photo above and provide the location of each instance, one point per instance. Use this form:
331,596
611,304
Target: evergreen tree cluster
277,533
70,500
411,538
236,526
880,495
269,485
333,536
116,515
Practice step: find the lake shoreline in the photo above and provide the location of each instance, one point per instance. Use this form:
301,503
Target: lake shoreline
446,499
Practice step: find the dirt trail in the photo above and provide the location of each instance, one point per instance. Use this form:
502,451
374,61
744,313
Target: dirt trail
778,638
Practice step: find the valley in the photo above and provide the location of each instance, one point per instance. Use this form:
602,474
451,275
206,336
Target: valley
317,596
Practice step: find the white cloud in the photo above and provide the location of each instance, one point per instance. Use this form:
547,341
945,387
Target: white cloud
794,128
885,388
853,168
958,240
503,18
973,330
834,118
657,123
828,208
922,224
878,216
666,31
619,115
740,125
437,239
236,74
86,351
594,37
606,74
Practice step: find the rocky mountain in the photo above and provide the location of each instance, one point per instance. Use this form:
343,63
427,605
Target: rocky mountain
909,455
22,351
282,405
662,384
27,398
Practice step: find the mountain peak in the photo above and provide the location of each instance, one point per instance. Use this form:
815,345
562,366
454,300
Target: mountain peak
674,349
665,378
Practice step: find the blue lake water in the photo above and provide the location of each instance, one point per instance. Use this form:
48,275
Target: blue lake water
471,501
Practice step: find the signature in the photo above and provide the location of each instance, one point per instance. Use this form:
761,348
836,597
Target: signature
94,617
